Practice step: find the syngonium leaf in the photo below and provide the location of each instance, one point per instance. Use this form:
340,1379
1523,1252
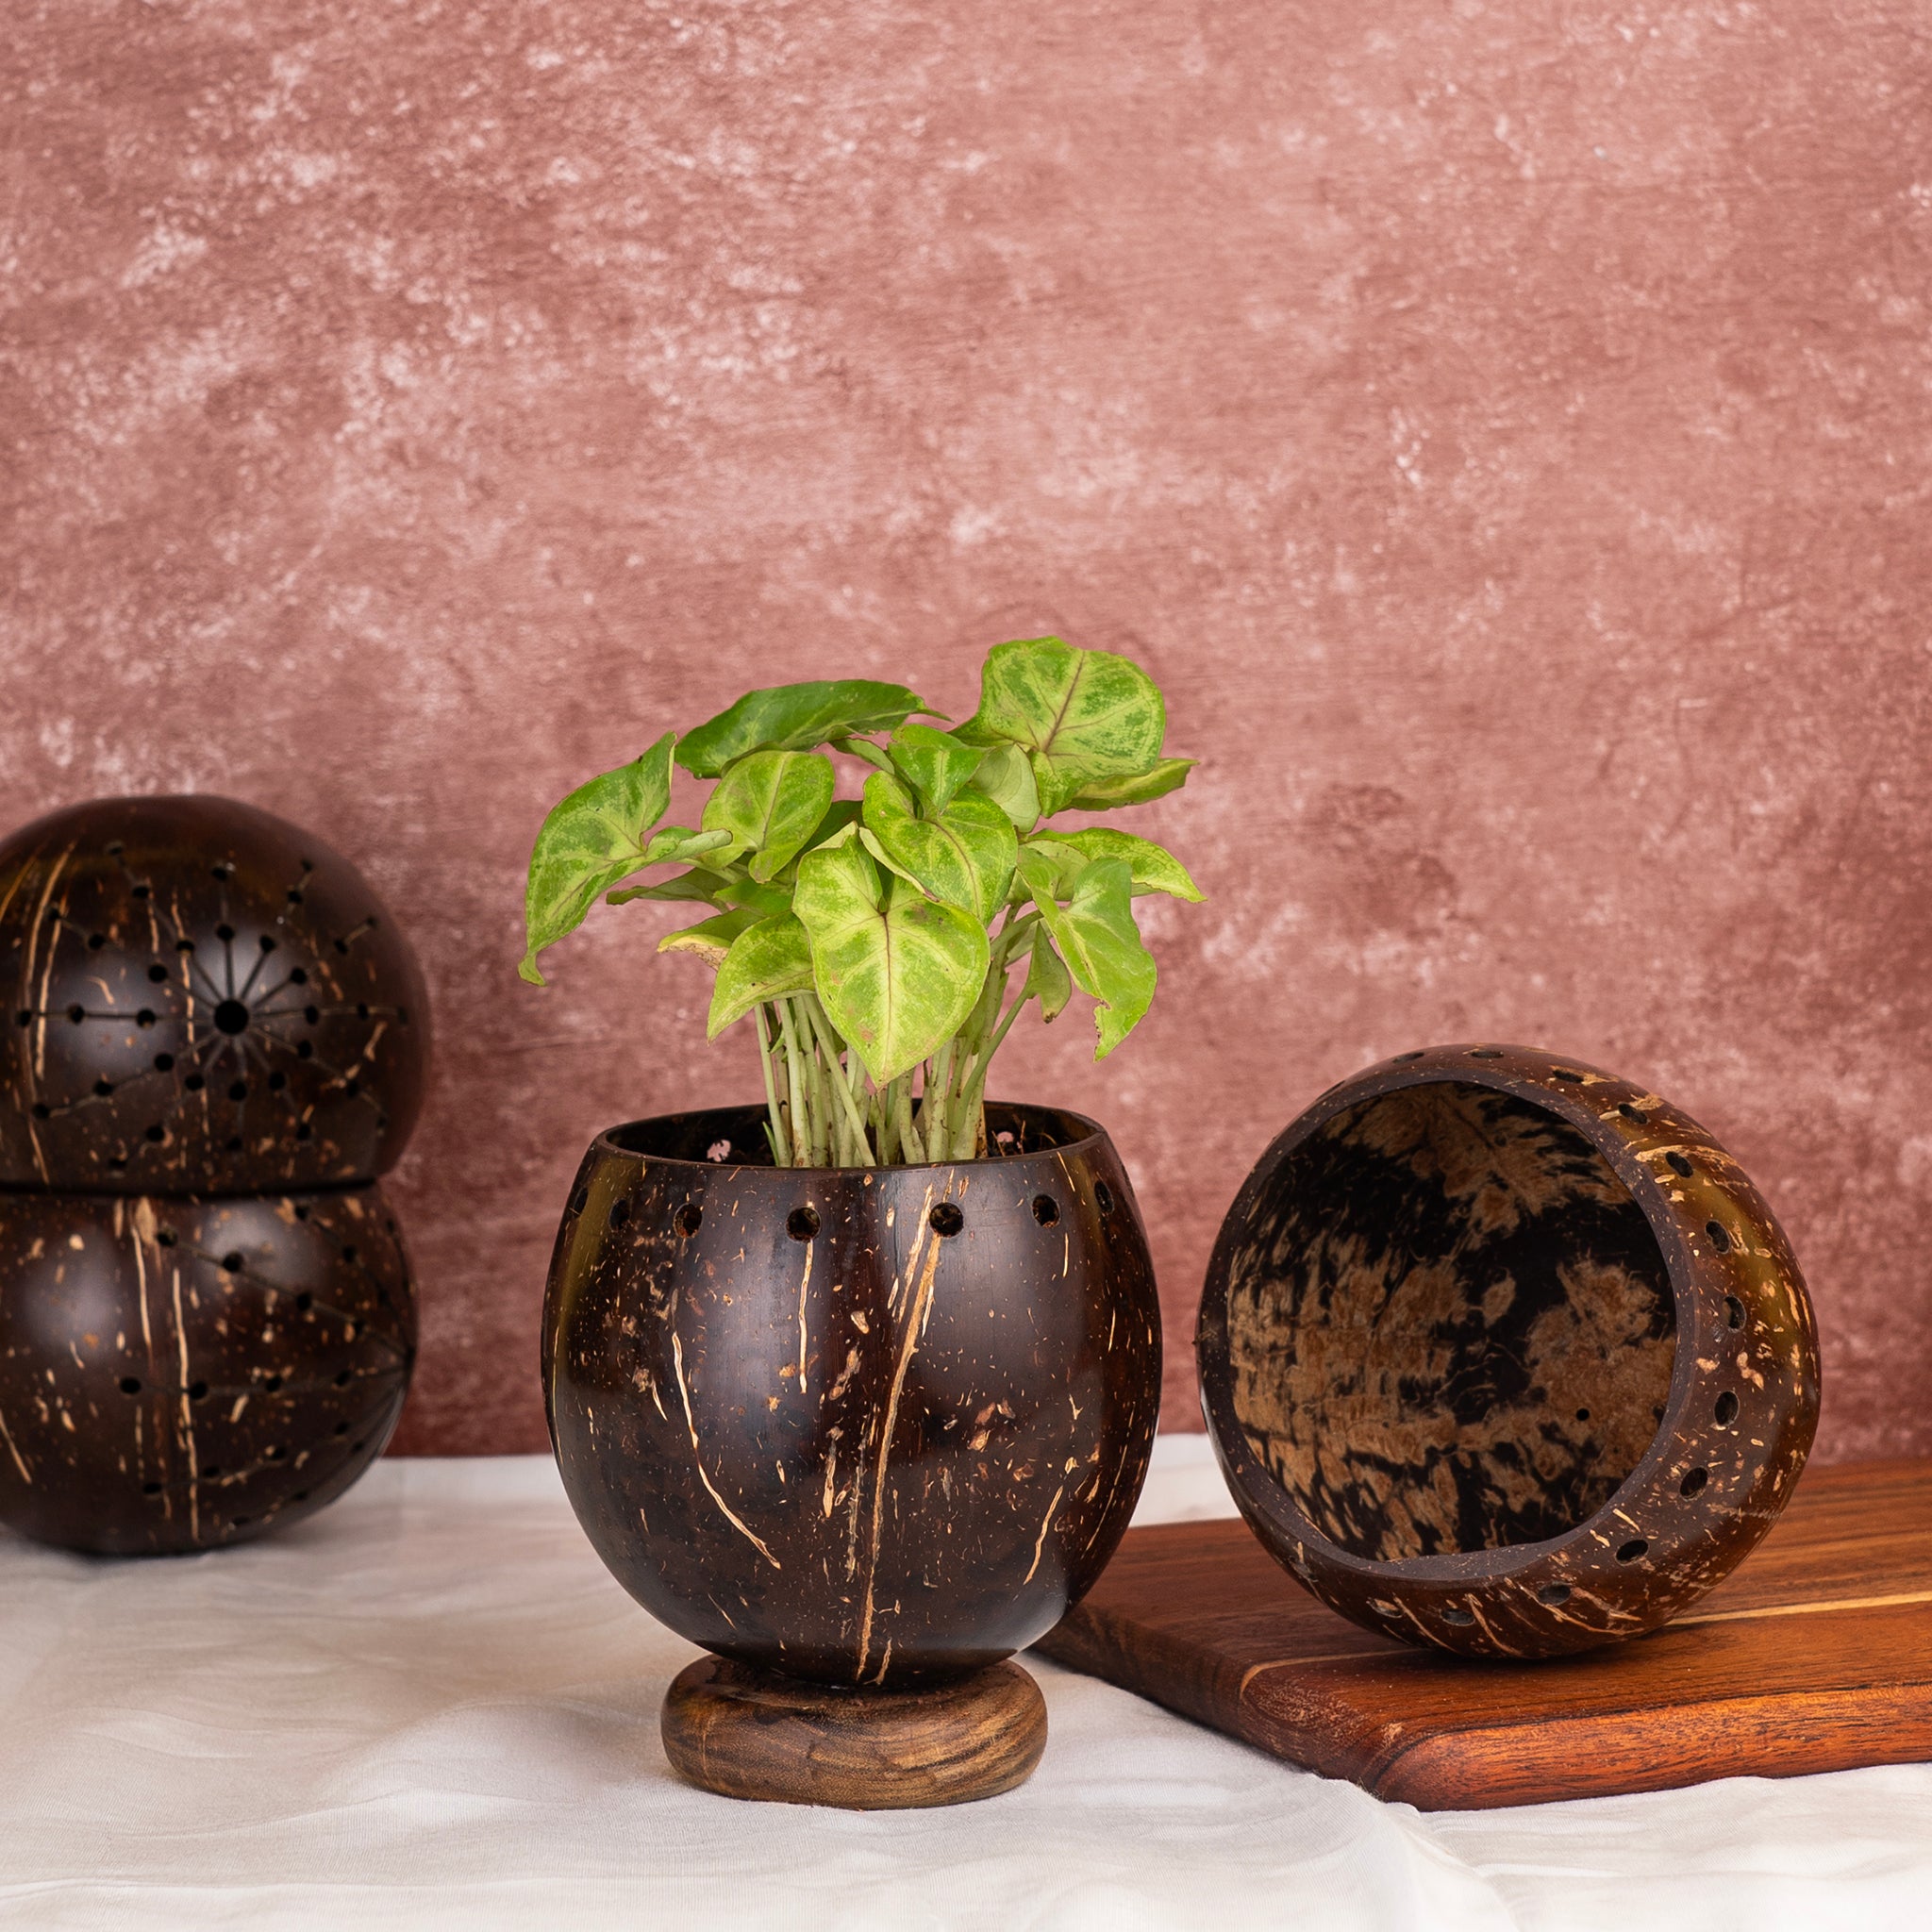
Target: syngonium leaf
864,748
1104,794
934,763
591,840
698,887
680,845
766,961
898,972
1005,776
727,888
1154,867
1097,938
770,803
709,938
839,814
1081,716
796,717
964,856
1047,979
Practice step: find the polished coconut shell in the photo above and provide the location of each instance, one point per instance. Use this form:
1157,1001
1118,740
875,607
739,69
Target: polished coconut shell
199,998
1504,1355
178,1375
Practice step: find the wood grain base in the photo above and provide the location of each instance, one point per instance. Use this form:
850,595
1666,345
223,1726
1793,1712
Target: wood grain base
746,1733
1815,1655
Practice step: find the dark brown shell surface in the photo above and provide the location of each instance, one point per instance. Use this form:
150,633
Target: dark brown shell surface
178,1375
1504,1355
200,999
858,1425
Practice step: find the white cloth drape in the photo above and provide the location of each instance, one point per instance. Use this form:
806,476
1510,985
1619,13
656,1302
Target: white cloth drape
430,1707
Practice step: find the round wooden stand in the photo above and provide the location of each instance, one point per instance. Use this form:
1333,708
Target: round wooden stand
747,1733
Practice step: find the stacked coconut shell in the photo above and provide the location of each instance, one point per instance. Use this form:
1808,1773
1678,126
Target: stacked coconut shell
214,1041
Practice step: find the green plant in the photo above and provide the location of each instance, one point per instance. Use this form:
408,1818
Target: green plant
875,941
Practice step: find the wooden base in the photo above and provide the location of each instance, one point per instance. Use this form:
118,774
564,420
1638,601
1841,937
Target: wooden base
747,1733
1815,1655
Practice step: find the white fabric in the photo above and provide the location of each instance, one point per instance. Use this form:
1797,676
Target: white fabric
431,1707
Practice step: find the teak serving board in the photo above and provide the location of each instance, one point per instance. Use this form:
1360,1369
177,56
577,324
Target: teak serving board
1816,1654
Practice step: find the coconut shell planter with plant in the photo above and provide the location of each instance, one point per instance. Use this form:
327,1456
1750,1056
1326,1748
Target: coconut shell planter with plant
856,1385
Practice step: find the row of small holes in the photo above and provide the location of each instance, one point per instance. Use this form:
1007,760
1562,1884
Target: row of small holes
802,1224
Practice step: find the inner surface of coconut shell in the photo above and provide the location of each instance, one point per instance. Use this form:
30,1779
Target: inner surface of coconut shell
1450,1325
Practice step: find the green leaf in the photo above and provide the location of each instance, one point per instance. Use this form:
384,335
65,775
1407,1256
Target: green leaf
1155,868
839,814
770,803
591,840
1081,715
766,961
1104,794
965,857
709,938
898,972
1047,979
709,888
883,858
1005,776
934,763
795,717
703,888
679,846
864,748
1099,940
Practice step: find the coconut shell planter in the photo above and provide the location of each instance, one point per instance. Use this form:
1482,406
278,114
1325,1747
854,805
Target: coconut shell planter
860,1433
215,1040
1504,1354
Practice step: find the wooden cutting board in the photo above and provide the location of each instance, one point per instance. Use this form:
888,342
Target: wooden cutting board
1816,1654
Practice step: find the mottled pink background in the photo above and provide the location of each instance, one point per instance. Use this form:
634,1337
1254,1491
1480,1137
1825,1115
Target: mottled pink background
1503,430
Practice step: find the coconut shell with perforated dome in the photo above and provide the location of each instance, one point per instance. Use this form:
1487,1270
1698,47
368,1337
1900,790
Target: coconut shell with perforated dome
200,998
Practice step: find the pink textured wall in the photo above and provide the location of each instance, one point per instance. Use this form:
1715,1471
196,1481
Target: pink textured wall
1503,429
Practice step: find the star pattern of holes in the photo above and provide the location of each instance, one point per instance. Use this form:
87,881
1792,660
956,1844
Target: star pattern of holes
248,1064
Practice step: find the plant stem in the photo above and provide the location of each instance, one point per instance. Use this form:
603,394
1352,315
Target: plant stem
939,1074
909,1149
780,1139
841,1078
977,1094
800,1140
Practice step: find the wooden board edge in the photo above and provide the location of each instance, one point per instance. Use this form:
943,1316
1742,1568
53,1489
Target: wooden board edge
1551,1760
